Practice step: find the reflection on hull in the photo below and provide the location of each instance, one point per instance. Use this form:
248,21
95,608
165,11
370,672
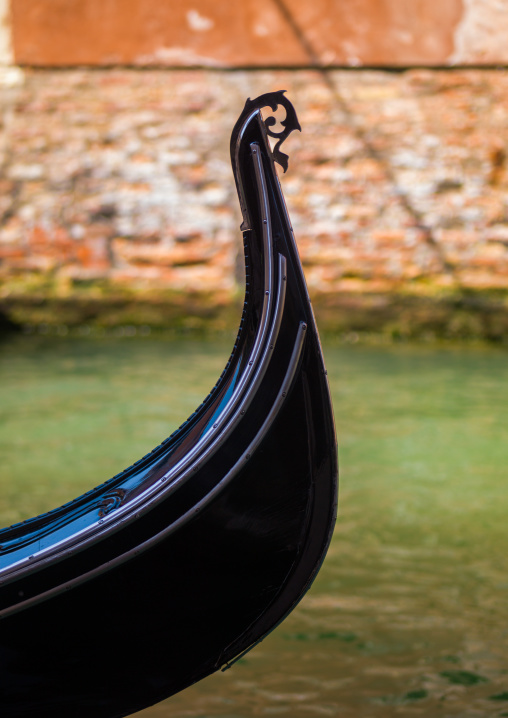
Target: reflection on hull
173,568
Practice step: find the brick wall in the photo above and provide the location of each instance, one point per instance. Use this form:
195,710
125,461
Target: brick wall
117,202
116,183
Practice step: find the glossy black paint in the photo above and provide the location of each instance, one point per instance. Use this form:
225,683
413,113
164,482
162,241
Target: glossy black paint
179,564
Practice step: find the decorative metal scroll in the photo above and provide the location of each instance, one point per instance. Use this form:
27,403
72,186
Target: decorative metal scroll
290,122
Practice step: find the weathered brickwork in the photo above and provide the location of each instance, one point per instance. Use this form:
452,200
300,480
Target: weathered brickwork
117,182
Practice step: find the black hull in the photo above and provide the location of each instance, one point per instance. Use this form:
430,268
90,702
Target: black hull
178,565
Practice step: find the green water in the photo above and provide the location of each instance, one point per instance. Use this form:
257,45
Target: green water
408,616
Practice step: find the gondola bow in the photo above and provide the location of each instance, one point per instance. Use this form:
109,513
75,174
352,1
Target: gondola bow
185,560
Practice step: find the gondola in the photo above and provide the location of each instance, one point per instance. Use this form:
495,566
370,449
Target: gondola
178,565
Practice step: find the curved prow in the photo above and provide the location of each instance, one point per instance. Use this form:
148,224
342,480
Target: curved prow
205,544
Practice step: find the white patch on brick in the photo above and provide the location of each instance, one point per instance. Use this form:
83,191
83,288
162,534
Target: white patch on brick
26,172
6,56
198,22
11,76
481,35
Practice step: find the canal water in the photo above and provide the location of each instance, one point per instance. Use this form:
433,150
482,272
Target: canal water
408,616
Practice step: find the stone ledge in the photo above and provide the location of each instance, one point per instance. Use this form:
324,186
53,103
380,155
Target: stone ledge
451,315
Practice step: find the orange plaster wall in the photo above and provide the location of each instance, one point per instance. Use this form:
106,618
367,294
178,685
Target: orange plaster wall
381,32
259,33
152,32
